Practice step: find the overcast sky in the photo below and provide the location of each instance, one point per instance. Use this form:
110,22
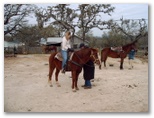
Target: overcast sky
127,11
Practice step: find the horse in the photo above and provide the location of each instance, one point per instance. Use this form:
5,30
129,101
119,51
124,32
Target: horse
76,62
120,53
47,48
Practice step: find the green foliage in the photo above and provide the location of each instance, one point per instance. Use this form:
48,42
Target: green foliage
30,35
113,39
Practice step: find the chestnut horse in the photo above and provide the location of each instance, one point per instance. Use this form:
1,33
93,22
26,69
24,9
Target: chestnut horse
108,52
76,63
48,49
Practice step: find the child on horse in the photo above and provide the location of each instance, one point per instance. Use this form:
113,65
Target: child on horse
65,47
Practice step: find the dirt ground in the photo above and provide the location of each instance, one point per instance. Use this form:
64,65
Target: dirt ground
26,87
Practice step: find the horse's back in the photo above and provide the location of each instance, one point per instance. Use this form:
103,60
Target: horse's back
104,50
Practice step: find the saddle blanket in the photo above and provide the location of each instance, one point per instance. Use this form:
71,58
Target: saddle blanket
60,58
117,49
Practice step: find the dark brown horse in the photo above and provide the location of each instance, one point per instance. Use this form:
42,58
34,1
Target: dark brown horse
78,59
47,49
121,53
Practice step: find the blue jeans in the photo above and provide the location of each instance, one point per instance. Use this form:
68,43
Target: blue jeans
87,83
65,56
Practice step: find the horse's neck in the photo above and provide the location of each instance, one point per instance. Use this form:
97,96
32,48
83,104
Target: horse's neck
127,48
84,55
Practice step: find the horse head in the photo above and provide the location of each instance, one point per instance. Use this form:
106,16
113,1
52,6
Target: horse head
94,57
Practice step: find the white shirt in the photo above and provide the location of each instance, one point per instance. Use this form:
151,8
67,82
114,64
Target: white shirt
65,44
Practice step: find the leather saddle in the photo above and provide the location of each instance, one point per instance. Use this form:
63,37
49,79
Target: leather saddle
116,49
60,58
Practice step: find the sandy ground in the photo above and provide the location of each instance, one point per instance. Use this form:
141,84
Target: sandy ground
26,88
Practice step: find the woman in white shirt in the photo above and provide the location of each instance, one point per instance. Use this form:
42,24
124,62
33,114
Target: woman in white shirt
65,45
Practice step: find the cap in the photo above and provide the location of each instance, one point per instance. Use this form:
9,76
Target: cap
81,45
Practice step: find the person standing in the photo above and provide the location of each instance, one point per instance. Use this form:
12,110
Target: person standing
88,71
131,58
65,46
14,51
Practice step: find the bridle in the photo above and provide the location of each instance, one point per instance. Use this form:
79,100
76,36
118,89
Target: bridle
93,56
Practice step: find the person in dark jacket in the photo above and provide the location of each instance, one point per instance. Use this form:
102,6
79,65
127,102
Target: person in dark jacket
88,71
14,51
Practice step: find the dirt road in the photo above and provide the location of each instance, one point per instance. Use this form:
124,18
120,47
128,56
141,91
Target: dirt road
26,88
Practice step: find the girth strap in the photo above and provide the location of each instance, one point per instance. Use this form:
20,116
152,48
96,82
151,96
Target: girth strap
76,63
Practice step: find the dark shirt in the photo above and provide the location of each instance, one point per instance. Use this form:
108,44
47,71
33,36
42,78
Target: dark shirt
88,70
131,54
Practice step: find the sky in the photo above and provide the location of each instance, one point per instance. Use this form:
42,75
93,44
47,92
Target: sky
125,10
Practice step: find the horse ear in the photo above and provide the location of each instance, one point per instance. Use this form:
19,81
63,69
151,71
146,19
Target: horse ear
97,49
94,50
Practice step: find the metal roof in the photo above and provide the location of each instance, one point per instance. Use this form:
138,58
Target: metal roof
54,39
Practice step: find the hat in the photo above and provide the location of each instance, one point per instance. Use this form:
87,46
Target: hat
81,45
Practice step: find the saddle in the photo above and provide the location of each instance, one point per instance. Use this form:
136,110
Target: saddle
60,58
116,49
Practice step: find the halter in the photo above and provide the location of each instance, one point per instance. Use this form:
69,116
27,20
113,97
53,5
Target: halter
92,55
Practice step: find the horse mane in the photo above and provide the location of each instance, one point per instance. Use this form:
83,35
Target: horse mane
96,49
132,43
81,50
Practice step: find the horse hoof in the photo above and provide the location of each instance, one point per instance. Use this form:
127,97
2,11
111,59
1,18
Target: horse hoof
77,88
58,85
73,90
51,85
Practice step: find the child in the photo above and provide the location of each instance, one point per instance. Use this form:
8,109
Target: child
131,58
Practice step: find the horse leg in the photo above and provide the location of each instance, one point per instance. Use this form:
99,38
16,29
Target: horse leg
56,77
73,80
51,69
76,82
105,61
121,63
104,58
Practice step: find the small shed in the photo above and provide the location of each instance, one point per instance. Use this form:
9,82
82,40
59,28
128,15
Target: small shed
56,41
11,45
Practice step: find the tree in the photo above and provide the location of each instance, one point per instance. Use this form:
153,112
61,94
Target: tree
129,27
41,16
125,31
28,35
85,17
31,35
113,39
63,16
90,17
14,17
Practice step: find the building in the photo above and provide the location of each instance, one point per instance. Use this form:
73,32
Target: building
12,44
56,41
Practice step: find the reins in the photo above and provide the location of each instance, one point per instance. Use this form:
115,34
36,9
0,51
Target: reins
82,60
93,57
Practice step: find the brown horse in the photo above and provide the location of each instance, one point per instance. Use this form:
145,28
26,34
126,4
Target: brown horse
76,63
121,53
48,49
